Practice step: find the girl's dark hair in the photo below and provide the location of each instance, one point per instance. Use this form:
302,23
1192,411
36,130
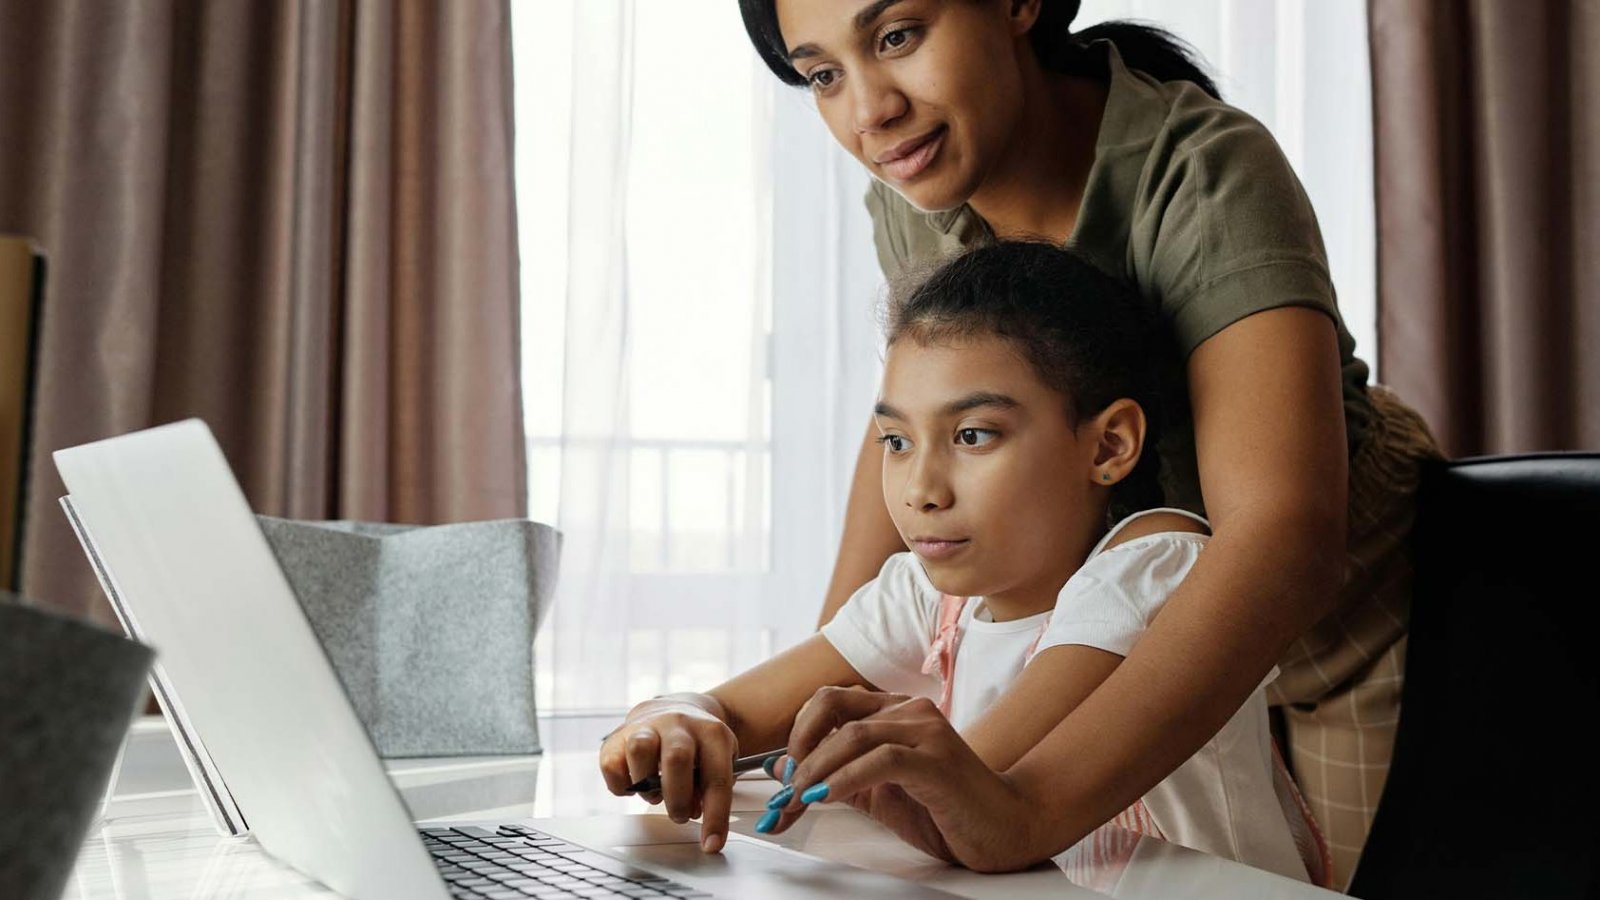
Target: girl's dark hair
1087,336
1154,51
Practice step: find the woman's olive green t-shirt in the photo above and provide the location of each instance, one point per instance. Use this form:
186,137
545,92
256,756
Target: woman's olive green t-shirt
1191,201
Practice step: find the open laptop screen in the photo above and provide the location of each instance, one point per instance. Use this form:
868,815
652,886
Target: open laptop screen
178,539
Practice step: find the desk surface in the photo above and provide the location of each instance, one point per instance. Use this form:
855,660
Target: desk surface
160,843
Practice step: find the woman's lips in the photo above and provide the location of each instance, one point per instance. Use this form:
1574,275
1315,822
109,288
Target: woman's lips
917,158
938,549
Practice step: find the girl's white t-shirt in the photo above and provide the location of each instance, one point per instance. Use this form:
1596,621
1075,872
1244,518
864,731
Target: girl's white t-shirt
1221,800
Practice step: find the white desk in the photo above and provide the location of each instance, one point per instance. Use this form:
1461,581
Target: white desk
159,843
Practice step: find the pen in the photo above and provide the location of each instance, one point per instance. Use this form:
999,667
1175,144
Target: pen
742,764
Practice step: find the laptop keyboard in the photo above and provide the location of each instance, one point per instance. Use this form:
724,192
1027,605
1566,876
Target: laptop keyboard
517,862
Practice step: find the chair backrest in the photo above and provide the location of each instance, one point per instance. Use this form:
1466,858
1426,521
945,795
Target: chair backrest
1495,789
21,292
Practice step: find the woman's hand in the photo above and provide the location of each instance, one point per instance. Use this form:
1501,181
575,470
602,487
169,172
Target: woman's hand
685,741
899,760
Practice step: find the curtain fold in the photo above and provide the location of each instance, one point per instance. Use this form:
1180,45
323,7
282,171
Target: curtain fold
294,220
1487,138
587,628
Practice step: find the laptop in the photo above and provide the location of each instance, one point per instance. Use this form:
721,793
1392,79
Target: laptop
175,538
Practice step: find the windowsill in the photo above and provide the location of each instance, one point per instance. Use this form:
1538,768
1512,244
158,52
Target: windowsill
151,765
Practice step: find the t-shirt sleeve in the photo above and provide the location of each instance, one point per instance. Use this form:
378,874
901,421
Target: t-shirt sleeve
1227,231
884,629
1110,601
887,230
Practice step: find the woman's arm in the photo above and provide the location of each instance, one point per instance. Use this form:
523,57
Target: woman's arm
1046,692
869,534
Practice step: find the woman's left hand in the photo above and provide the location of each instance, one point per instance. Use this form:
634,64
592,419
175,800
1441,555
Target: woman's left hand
899,760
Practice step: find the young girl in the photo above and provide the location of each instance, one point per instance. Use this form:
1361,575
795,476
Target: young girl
1016,406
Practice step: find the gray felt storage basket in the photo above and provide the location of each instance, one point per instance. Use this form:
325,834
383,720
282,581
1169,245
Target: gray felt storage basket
430,628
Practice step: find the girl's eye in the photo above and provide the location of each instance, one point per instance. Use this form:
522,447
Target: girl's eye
895,443
822,78
974,437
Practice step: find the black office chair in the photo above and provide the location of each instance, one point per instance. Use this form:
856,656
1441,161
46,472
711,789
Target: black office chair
1495,786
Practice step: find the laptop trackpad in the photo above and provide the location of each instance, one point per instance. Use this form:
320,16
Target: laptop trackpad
757,870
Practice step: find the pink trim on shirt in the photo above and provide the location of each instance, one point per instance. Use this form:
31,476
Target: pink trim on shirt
941,661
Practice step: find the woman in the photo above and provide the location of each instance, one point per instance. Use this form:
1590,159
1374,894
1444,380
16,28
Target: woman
988,118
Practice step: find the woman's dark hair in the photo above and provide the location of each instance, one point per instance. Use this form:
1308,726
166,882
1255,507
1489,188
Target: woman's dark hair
1154,51
1087,336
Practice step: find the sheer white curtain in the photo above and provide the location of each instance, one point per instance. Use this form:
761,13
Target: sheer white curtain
1301,68
699,335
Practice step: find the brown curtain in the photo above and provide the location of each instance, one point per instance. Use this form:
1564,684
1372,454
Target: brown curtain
1487,136
292,219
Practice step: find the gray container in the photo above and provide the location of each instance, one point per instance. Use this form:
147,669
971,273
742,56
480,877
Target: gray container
68,692
430,628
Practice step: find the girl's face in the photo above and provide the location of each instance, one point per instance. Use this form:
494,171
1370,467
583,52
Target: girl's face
987,481
927,94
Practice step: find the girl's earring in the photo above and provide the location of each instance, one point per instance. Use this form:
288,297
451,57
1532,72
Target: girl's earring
1105,476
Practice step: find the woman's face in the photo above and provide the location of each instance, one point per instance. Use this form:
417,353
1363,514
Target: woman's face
986,479
925,93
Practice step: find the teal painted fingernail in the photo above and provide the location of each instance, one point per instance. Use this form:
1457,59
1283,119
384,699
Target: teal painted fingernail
770,766
788,770
814,793
781,798
768,820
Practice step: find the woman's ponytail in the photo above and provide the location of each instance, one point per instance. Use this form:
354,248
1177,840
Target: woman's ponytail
1154,51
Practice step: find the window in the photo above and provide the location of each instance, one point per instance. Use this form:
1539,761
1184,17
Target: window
668,418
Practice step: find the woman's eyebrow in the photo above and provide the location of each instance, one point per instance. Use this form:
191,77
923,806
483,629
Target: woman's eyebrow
861,20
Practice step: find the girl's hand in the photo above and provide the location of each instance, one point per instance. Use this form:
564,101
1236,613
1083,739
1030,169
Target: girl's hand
899,760
692,750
